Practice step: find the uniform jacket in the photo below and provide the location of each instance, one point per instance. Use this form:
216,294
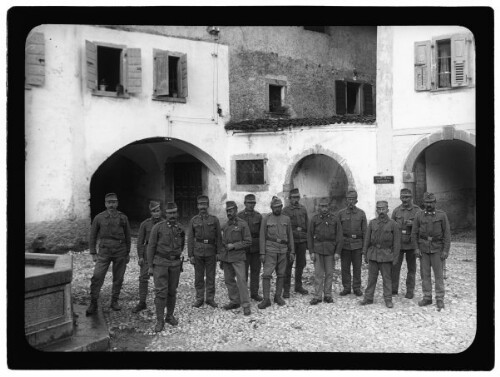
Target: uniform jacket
354,226
431,232
253,219
324,234
110,229
405,217
143,236
300,221
382,240
238,233
207,229
165,241
276,227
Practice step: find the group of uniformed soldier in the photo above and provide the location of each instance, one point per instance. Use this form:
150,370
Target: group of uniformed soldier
249,241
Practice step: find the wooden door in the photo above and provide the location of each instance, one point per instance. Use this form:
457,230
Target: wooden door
187,187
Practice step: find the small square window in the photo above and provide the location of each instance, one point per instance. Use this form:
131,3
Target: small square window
250,172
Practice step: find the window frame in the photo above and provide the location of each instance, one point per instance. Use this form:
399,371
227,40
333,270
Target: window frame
283,85
249,188
168,54
361,105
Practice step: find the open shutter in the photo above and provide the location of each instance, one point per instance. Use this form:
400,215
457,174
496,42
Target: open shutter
134,70
459,63
91,58
340,97
183,75
367,99
423,65
160,73
35,59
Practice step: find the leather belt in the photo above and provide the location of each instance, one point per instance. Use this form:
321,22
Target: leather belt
319,239
278,240
430,238
112,239
168,256
206,241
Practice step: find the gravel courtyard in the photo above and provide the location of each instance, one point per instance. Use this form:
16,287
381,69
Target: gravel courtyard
343,326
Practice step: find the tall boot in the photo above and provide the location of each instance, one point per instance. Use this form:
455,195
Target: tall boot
266,291
279,289
170,319
160,311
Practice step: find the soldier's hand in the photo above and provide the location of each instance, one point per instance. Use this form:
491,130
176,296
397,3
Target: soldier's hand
418,253
230,246
150,271
262,259
336,256
292,257
141,261
443,255
313,257
128,258
191,260
94,257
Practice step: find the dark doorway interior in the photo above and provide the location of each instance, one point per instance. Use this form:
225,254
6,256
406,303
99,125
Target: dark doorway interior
187,187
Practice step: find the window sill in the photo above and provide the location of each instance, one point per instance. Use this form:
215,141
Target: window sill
251,188
101,93
169,99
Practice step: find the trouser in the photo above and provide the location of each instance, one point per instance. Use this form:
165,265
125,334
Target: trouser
385,270
300,263
166,280
411,263
323,275
204,266
347,258
234,277
427,261
253,264
274,262
107,255
143,281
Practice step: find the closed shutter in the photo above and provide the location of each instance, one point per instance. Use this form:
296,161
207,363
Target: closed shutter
160,73
34,55
134,70
423,65
91,59
367,99
459,63
340,97
184,76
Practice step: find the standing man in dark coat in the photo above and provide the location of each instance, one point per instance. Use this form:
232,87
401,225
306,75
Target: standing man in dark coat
204,239
381,250
431,235
276,243
324,238
252,262
236,238
353,220
142,243
404,215
165,245
298,215
113,230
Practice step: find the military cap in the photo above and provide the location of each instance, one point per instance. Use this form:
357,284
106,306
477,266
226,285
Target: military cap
250,198
276,202
230,204
111,196
294,192
324,201
351,194
171,207
153,204
382,203
202,199
429,197
405,191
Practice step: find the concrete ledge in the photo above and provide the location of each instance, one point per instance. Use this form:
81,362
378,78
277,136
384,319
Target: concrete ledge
90,334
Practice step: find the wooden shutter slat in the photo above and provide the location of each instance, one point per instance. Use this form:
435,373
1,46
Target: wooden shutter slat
367,99
459,63
35,59
340,94
184,76
423,65
91,60
134,70
161,73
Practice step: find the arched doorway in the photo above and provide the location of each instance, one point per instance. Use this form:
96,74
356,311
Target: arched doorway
162,169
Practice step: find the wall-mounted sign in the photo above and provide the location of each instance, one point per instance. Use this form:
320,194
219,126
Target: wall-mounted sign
378,179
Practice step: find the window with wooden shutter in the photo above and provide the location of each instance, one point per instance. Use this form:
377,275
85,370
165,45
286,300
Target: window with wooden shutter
134,70
170,76
160,73
183,76
340,97
368,99
91,59
423,65
459,60
35,59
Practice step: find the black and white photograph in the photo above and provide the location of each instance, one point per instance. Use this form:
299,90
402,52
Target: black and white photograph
252,188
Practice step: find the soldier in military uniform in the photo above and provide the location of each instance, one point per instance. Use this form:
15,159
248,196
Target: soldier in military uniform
252,262
431,236
353,220
404,216
298,216
324,239
276,243
165,245
236,239
142,242
204,239
113,230
381,250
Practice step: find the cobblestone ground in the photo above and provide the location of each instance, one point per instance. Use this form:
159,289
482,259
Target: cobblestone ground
343,326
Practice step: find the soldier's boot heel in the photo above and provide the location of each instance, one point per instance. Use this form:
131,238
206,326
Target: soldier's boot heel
266,290
440,305
425,302
92,309
264,304
140,306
